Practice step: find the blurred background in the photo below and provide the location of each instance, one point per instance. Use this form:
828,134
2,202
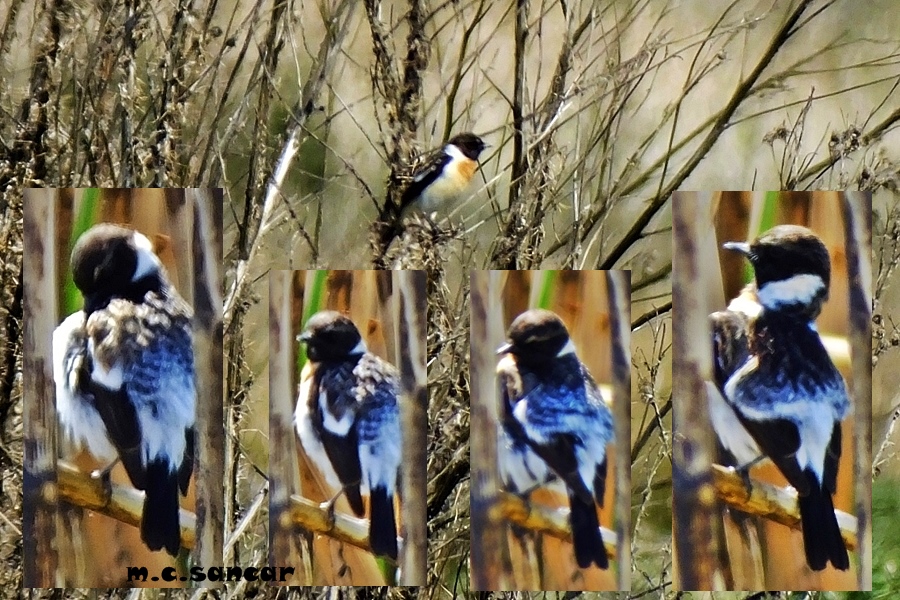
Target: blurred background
535,561
96,550
308,112
885,398
365,297
743,216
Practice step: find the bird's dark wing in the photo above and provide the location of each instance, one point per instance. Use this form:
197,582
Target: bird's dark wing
559,452
779,439
187,465
430,169
600,482
337,384
119,415
832,457
150,345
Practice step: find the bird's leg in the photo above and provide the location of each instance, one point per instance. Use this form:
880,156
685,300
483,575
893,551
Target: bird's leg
328,507
104,476
521,533
744,472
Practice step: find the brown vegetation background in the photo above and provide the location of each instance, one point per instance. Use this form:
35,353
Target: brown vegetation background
732,217
307,112
538,561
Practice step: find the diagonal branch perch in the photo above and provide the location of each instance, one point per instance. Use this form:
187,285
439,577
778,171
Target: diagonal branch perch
311,516
124,503
553,522
771,502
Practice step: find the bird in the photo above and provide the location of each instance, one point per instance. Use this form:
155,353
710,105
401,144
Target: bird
443,175
554,423
348,422
123,368
781,396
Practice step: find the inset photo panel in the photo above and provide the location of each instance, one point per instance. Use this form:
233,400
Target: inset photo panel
772,390
550,377
348,427
122,305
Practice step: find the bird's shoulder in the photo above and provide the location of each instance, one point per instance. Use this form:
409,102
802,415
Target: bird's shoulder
731,347
593,393
425,170
143,335
376,379
429,165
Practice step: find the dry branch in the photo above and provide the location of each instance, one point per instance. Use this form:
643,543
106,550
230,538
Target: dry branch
412,320
401,92
857,209
313,517
715,126
694,500
124,503
513,509
771,502
485,486
40,517
283,474
619,293
208,343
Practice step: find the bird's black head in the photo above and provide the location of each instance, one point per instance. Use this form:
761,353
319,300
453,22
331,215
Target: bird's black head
792,269
469,144
535,337
110,261
329,335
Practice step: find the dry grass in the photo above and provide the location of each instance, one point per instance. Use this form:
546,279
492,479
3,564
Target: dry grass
594,115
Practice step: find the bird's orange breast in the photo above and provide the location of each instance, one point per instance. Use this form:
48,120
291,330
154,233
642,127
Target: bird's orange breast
465,169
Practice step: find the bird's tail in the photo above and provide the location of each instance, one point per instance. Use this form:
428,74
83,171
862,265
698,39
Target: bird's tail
821,534
354,499
159,522
586,537
382,527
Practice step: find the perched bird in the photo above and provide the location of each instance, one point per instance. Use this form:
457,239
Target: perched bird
443,175
554,423
781,396
124,373
348,421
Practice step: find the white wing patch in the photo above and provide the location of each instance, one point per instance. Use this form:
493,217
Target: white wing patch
731,433
338,426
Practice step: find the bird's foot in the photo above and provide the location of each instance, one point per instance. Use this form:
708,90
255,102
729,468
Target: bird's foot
744,472
328,507
103,475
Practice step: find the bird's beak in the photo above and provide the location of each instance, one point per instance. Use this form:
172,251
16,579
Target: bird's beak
505,348
742,247
303,337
